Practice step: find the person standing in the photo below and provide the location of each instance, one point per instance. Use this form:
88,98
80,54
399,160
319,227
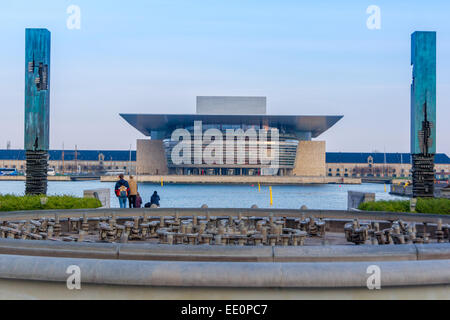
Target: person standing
133,192
138,200
122,190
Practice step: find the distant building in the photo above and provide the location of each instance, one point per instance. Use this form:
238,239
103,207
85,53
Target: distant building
83,161
396,165
298,154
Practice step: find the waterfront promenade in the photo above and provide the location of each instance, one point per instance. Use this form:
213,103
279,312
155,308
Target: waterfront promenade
175,179
23,178
272,180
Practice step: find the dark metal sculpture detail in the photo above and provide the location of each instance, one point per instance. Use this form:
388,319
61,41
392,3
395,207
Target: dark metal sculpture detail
423,163
219,230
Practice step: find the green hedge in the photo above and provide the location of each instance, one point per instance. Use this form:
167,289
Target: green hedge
439,206
19,203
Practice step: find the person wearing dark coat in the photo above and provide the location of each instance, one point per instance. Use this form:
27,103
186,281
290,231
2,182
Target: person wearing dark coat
155,199
138,200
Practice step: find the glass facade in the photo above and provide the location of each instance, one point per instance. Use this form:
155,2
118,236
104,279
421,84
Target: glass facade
245,154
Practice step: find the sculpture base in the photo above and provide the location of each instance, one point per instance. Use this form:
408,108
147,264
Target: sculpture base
423,176
37,166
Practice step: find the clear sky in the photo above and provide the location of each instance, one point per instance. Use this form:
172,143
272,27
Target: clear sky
307,57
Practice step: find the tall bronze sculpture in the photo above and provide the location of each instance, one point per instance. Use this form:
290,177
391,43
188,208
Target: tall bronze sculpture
37,109
423,112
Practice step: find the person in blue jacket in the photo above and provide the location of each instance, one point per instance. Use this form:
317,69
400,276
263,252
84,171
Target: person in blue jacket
122,190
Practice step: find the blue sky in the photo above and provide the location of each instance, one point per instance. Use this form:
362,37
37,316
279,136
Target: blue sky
307,57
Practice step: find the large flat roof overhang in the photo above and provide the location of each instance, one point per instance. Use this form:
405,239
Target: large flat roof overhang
146,123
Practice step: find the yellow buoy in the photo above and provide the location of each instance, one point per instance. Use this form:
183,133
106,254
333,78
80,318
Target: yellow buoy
271,199
162,182
259,187
385,187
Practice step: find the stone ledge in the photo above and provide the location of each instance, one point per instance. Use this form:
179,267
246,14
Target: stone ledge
225,253
48,248
433,251
348,253
195,253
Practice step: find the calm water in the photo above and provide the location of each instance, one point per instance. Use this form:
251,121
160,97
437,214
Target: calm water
329,196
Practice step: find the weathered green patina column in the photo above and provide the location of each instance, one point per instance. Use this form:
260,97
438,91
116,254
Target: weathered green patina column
37,109
423,112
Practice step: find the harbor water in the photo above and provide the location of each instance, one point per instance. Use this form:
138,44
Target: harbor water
326,196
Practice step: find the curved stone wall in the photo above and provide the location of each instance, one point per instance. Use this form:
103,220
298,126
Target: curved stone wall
226,274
